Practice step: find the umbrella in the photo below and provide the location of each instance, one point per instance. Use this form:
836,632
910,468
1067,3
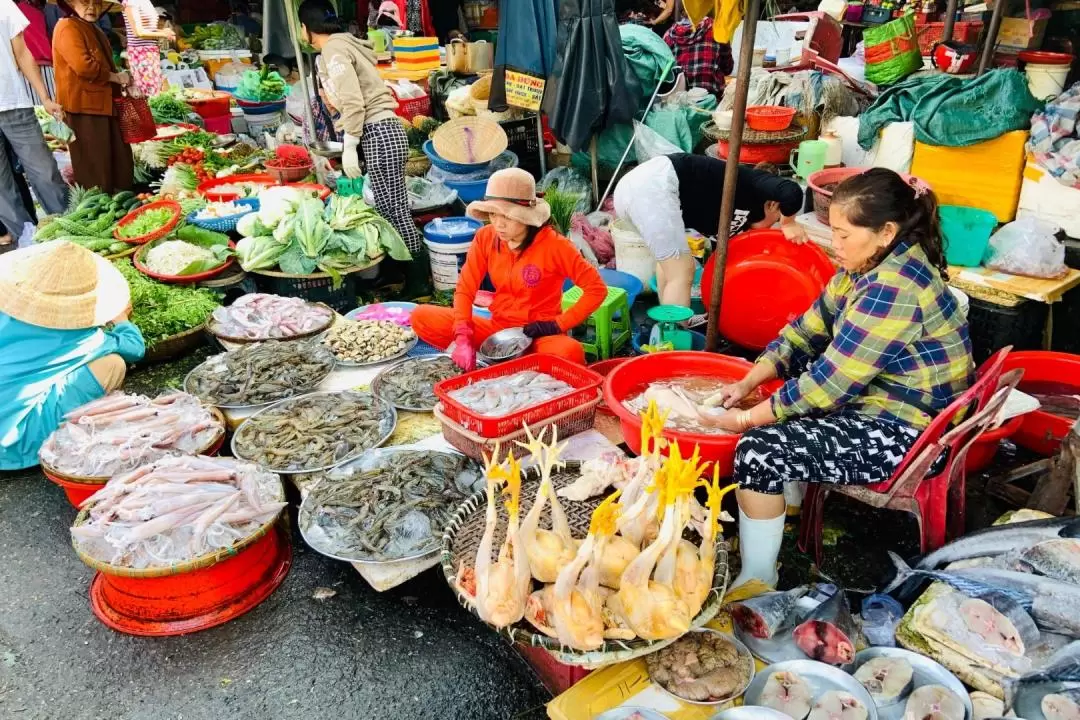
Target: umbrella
591,86
526,44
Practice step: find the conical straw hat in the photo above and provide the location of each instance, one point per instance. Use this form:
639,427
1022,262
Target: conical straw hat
62,286
469,140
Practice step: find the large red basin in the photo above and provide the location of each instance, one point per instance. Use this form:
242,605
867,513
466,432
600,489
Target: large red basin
638,372
982,451
1044,371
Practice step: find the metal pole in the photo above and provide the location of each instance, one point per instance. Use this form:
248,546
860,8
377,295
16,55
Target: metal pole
731,172
991,35
950,19
595,170
540,138
294,35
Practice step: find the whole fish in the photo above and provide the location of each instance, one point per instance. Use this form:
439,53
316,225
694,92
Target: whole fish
1000,539
1054,605
829,634
1058,559
1060,675
763,615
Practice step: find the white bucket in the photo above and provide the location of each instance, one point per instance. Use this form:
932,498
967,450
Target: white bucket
259,124
632,255
447,260
1046,81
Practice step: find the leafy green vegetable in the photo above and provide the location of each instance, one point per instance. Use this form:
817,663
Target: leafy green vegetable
563,204
201,237
217,36
261,86
161,310
294,262
312,232
259,253
168,108
146,223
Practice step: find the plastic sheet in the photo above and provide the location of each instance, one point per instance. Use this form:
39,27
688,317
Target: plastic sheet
121,432
177,509
1027,246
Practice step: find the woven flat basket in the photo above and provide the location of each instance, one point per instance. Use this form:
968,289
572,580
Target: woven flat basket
756,137
211,326
174,346
461,540
469,140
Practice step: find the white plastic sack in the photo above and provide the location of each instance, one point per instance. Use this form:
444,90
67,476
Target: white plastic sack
649,144
894,149
1027,246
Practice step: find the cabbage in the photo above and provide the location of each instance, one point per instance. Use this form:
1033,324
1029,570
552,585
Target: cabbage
259,253
278,202
251,226
311,231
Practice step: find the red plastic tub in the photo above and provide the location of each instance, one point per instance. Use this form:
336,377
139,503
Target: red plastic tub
76,492
209,191
215,105
766,118
221,125
161,232
186,602
603,369
982,451
823,182
775,153
768,283
1044,372
633,375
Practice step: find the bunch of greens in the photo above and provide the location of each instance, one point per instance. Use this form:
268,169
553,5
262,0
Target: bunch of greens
261,86
145,223
160,310
53,128
194,139
168,108
563,205
295,232
217,36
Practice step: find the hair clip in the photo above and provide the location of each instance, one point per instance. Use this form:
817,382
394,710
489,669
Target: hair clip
919,188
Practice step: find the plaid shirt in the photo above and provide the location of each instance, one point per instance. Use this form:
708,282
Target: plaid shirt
705,61
890,343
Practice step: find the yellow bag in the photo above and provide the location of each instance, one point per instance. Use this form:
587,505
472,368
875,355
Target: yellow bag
729,13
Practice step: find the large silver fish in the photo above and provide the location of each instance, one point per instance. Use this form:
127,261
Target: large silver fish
1060,676
1058,559
1000,539
1054,605
763,615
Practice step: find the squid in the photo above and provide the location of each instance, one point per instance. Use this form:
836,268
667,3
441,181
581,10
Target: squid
548,551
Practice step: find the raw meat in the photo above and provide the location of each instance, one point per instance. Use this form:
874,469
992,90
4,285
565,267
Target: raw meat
788,693
934,702
829,634
1062,706
886,679
763,615
836,705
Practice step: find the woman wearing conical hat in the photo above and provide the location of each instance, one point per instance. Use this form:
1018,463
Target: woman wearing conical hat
66,341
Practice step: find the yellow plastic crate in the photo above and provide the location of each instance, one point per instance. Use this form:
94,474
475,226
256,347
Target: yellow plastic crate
987,175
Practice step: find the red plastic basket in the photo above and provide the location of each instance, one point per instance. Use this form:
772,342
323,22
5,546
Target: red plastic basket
931,33
584,381
140,265
769,117
157,234
136,120
573,421
409,108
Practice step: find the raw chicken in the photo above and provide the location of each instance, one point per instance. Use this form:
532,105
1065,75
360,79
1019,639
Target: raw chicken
887,679
1064,705
548,551
596,476
538,609
694,566
616,555
934,702
836,705
502,587
787,693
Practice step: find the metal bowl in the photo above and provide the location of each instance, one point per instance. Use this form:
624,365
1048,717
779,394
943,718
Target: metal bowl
744,655
820,677
508,344
241,408
927,672
750,713
329,149
377,383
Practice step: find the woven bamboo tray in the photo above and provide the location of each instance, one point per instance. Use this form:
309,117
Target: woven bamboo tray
756,137
462,539
174,346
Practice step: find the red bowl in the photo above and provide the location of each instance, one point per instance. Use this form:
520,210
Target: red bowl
982,451
156,234
638,372
178,279
775,153
769,282
1041,57
767,118
324,192
1042,432
207,188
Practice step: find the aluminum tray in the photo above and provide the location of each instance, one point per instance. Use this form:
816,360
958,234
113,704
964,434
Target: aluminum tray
299,390
780,647
514,335
376,384
370,460
821,677
750,713
389,424
409,345
927,672
744,653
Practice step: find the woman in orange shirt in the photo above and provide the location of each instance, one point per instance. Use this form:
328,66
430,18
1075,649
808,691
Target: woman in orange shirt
527,261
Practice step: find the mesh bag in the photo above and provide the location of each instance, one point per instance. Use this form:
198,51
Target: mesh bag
892,51
136,120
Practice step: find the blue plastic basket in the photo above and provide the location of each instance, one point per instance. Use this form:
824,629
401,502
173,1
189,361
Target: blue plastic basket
225,224
460,168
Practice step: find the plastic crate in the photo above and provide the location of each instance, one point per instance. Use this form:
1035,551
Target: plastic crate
572,422
225,224
584,381
993,327
315,288
522,139
930,33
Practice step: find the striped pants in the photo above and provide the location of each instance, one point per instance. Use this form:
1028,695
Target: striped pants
386,149
50,84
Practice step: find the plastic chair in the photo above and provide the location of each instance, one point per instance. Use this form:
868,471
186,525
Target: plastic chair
912,488
610,322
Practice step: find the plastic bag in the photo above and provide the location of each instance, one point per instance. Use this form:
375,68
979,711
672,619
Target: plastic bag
424,194
649,144
1027,246
568,180
437,175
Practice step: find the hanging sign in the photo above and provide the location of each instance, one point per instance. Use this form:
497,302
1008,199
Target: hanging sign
523,90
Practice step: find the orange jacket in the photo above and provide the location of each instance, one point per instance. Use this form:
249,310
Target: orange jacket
82,65
529,284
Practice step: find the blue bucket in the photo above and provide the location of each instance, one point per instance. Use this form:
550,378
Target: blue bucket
448,241
614,278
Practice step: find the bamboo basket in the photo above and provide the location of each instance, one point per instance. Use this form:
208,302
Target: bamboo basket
301,336
461,539
174,346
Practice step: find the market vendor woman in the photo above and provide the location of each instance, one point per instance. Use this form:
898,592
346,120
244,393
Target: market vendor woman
527,262
667,195
67,341
880,353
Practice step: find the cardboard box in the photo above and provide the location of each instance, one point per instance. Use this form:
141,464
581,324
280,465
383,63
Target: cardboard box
1021,34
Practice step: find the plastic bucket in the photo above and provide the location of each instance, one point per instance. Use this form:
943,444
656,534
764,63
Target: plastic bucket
1046,81
967,233
259,124
632,255
221,125
604,368
76,492
982,451
448,241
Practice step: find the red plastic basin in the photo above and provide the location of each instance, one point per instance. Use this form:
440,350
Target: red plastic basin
769,282
633,375
604,368
1042,432
982,451
76,492
196,600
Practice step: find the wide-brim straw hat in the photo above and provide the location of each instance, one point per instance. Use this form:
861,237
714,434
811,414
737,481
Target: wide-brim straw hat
469,140
61,286
511,192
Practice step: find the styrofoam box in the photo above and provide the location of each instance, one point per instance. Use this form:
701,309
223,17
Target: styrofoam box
1042,196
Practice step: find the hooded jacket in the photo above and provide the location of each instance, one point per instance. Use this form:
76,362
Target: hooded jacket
349,74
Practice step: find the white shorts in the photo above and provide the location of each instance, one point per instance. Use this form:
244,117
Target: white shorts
648,197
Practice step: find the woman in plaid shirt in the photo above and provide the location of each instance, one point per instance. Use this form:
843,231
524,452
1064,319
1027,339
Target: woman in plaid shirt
883,350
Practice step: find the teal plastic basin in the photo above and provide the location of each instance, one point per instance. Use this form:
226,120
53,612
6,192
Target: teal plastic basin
967,233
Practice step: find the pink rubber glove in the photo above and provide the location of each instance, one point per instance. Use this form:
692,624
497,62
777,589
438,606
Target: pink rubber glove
464,354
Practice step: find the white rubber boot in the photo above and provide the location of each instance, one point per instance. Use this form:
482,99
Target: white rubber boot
793,497
759,546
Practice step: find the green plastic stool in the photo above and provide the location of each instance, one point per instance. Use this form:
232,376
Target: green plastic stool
610,322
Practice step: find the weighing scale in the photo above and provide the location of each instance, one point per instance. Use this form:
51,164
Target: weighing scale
666,333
